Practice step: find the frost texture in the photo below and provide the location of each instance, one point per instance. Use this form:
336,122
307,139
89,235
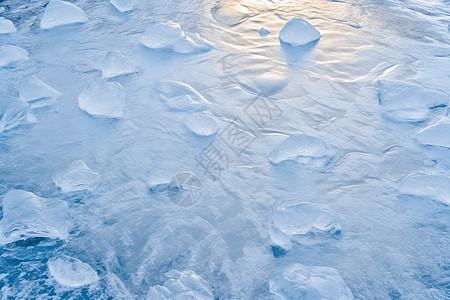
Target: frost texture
117,64
309,282
10,54
14,113
26,216
104,99
304,149
59,13
181,285
6,26
71,272
298,32
78,177
36,92
435,134
179,96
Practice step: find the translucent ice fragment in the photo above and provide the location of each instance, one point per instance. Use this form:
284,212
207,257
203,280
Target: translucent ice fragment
298,32
123,5
434,185
60,12
10,54
179,96
264,31
71,272
116,64
78,177
14,113
6,26
104,99
26,215
437,133
36,92
201,124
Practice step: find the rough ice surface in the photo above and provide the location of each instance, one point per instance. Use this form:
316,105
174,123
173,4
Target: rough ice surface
78,177
309,282
116,64
179,96
304,149
202,124
298,32
433,185
181,285
408,103
71,272
10,55
103,99
123,5
60,12
26,216
6,26
13,113
437,133
36,92
170,36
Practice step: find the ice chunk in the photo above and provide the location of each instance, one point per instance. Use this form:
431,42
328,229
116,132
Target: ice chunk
230,13
105,99
304,149
179,96
201,124
60,12
298,32
264,31
435,134
10,54
26,215
432,185
309,282
36,92
116,64
14,113
123,5
181,285
6,26
170,36
71,272
78,177
402,102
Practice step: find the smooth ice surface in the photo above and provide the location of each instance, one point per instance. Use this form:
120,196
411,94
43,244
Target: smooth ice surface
181,285
10,55
6,26
179,96
408,103
71,272
433,185
437,133
13,113
117,64
202,124
264,31
309,282
304,149
103,99
59,13
36,92
123,5
78,177
26,216
298,32
170,36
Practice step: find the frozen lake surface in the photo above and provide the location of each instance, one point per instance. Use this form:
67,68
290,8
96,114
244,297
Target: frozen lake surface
253,149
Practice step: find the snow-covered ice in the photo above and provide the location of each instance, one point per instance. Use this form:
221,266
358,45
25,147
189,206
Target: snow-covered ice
437,133
202,124
181,285
179,96
309,282
116,64
60,12
6,26
433,185
26,216
10,55
13,113
304,149
103,99
78,177
71,272
36,92
123,5
298,32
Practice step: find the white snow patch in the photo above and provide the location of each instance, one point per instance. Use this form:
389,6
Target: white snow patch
10,54
202,124
298,32
179,96
59,13
71,272
104,99
6,26
36,92
437,133
78,177
26,215
116,64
